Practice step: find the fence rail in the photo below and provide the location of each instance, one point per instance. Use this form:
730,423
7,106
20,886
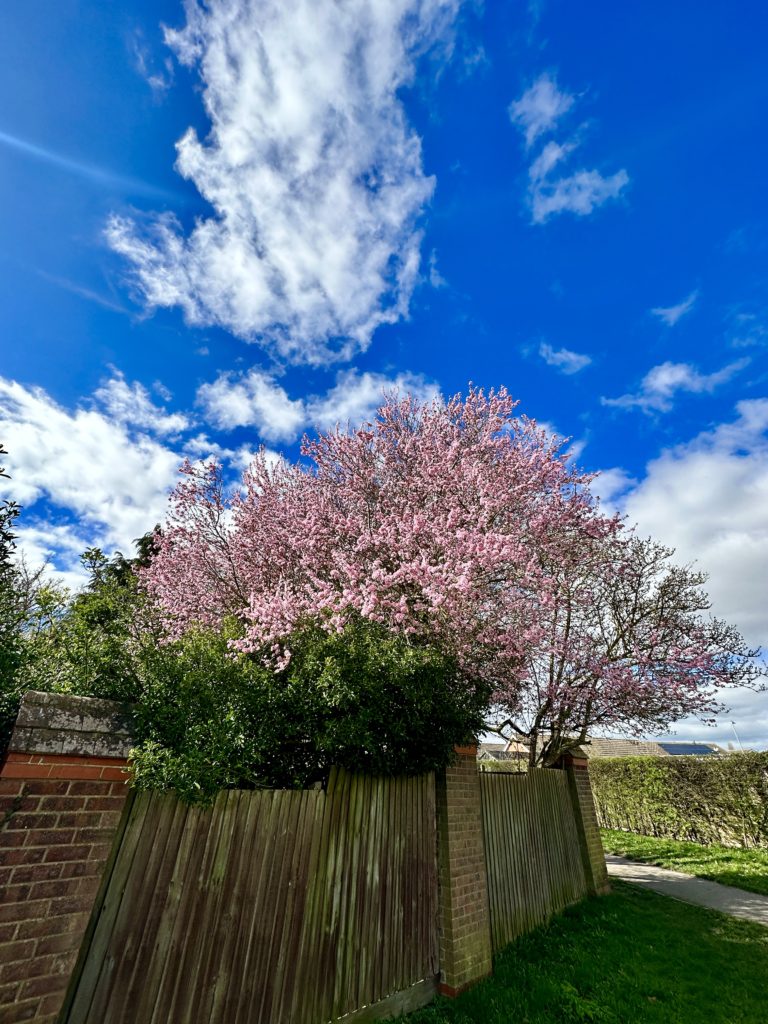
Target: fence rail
532,850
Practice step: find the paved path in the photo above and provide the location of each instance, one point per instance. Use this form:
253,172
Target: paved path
724,898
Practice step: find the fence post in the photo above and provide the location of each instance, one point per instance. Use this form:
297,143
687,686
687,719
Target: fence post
62,791
576,767
465,929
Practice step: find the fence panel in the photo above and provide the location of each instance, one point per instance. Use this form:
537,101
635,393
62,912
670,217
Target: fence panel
290,906
532,850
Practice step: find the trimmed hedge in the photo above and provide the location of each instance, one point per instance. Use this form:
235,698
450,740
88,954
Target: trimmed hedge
702,799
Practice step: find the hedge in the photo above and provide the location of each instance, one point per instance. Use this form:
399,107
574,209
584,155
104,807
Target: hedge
702,799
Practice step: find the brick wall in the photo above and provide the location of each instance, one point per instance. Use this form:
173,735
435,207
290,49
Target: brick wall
465,931
60,806
590,843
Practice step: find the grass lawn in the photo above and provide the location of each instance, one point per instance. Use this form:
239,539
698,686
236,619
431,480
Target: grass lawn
746,869
633,957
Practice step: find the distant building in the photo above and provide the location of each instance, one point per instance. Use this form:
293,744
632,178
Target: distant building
651,748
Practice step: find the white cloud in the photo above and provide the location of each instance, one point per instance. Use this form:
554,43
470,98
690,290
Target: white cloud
130,404
671,314
110,476
578,193
313,173
356,396
540,108
538,111
708,500
252,400
662,383
255,399
563,359
436,279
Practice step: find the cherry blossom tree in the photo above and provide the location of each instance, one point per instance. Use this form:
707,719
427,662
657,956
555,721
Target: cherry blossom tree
461,525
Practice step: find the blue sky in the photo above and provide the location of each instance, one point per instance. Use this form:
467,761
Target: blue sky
225,225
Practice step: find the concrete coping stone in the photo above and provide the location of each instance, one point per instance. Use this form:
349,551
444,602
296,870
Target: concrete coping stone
61,723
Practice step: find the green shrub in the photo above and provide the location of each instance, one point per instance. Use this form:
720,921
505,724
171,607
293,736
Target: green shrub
702,799
362,699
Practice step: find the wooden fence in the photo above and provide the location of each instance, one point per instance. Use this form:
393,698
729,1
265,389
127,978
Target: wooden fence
532,850
296,907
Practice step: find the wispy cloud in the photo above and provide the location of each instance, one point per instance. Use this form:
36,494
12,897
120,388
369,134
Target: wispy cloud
563,359
436,279
537,112
662,383
85,293
540,107
670,315
98,175
747,328
314,174
158,75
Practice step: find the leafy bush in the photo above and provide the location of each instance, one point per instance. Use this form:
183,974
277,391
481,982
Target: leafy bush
702,799
362,699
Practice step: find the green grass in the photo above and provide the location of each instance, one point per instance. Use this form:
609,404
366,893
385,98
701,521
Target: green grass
632,957
745,869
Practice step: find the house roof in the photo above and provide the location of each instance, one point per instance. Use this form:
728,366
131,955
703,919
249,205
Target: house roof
624,748
649,748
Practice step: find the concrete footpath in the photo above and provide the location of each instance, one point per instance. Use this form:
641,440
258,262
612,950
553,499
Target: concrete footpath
700,891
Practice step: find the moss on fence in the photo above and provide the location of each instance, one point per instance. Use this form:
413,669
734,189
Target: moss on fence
705,800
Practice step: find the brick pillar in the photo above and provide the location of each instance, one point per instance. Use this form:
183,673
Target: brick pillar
465,929
576,766
62,792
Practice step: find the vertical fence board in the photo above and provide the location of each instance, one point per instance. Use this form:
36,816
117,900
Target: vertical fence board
534,868
292,906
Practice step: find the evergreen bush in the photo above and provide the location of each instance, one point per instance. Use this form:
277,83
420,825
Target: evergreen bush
701,799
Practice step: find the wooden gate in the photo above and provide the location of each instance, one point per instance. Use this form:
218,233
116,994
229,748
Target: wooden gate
531,849
272,906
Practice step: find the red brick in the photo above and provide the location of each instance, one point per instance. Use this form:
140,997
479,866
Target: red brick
74,771
67,852
19,950
43,986
115,774
36,872
80,868
71,905
62,925
100,852
46,787
9,787
16,893
19,1012
51,1004
62,803
91,835
50,889
81,819
51,837
23,911
32,820
63,943
22,855
11,839
8,992
105,803
26,771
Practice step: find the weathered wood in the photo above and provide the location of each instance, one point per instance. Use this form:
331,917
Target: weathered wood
532,855
301,907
